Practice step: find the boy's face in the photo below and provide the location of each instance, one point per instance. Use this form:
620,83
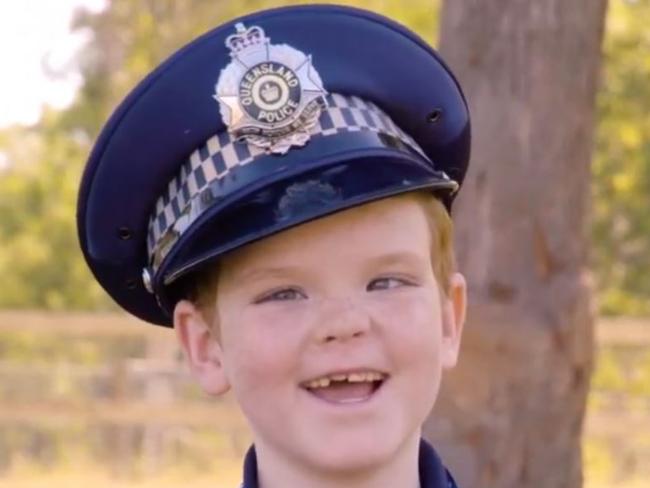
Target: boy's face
350,293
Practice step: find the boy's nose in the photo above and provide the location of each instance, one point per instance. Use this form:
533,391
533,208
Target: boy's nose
341,320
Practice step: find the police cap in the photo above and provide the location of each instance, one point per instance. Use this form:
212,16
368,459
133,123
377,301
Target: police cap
266,122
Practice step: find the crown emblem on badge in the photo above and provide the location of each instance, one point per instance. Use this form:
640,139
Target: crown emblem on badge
245,38
269,95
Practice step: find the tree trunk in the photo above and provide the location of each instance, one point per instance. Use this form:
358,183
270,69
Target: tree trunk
511,413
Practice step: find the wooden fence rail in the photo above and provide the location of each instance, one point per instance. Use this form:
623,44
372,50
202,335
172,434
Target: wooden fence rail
125,396
635,331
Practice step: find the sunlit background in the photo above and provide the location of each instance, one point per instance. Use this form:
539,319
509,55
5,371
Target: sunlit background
38,50
89,396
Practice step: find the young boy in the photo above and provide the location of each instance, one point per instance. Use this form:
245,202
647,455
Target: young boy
282,186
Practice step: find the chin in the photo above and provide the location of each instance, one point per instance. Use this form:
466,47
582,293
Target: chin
356,452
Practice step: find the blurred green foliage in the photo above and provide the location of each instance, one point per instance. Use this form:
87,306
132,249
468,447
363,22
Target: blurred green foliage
40,166
624,371
621,168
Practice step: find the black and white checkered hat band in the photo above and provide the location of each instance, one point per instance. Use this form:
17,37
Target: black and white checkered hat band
174,210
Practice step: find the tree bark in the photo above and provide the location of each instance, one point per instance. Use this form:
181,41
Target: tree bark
511,413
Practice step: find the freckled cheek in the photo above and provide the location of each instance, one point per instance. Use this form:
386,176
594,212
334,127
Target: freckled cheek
411,324
261,353
412,328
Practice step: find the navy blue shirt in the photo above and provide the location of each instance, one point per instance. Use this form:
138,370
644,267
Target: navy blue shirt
433,474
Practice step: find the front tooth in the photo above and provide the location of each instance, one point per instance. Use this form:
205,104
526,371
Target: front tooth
324,382
338,377
356,378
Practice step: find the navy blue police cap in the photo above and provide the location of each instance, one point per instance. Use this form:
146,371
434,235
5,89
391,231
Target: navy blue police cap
266,122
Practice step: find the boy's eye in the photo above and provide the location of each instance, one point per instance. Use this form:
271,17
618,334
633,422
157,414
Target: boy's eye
387,283
285,294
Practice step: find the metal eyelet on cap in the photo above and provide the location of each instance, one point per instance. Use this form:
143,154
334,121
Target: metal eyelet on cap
434,115
124,233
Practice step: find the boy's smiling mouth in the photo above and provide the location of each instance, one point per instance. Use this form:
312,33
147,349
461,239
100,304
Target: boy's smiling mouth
346,387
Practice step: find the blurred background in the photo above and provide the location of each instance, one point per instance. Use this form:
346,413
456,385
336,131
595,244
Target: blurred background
88,395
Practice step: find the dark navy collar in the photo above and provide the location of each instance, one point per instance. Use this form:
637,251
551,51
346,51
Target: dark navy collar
433,474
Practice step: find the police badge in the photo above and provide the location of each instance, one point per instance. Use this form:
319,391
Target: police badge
269,95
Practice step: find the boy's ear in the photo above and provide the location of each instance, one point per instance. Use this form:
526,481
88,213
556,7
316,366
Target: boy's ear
202,349
453,319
